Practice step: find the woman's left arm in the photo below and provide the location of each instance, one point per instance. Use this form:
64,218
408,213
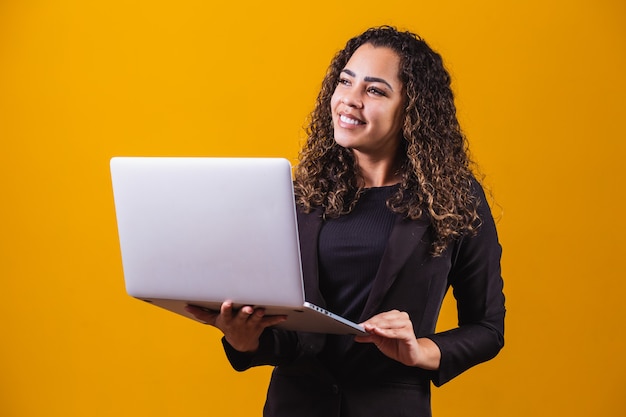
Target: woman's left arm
477,286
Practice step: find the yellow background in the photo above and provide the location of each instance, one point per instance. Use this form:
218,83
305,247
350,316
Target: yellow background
541,95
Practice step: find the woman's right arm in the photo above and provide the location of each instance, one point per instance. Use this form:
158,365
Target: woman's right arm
242,328
248,339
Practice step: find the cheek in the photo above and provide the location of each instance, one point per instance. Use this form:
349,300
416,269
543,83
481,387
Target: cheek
334,100
398,118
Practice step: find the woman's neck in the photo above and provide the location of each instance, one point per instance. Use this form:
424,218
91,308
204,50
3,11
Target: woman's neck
378,173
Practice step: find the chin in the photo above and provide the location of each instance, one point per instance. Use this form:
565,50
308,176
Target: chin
344,143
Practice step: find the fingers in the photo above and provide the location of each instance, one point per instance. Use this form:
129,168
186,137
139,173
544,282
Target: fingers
246,313
226,309
273,320
241,327
392,333
391,324
203,315
228,316
389,317
389,320
226,313
255,317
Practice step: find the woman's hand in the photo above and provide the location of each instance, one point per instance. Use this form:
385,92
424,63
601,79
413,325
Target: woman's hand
392,333
242,328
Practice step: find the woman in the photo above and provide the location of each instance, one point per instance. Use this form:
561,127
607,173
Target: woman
390,216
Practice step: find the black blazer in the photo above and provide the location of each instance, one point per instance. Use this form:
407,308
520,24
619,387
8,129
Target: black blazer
365,382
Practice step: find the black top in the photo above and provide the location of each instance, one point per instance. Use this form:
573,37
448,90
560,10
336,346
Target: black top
350,250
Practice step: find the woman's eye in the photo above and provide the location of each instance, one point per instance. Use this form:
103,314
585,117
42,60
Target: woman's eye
343,81
376,91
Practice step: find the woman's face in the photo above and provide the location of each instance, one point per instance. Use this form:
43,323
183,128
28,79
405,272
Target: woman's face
368,103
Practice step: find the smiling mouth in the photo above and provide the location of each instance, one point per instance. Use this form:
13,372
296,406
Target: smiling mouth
349,120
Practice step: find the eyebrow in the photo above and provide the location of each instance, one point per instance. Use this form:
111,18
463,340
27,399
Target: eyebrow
369,79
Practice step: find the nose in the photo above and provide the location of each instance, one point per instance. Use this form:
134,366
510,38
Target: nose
352,99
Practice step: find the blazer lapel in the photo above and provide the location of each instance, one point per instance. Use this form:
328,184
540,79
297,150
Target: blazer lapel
405,238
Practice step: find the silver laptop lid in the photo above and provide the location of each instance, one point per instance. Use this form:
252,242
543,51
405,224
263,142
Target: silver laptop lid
208,229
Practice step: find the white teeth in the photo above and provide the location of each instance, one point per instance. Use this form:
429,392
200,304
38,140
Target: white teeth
349,120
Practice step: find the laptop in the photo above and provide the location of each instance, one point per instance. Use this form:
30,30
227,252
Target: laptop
199,231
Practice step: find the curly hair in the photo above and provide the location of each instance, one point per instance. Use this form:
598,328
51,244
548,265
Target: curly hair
435,167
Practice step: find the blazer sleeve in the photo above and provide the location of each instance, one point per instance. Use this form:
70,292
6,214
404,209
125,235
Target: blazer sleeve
276,347
477,286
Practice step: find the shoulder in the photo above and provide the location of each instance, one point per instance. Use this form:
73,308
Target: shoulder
482,242
482,199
